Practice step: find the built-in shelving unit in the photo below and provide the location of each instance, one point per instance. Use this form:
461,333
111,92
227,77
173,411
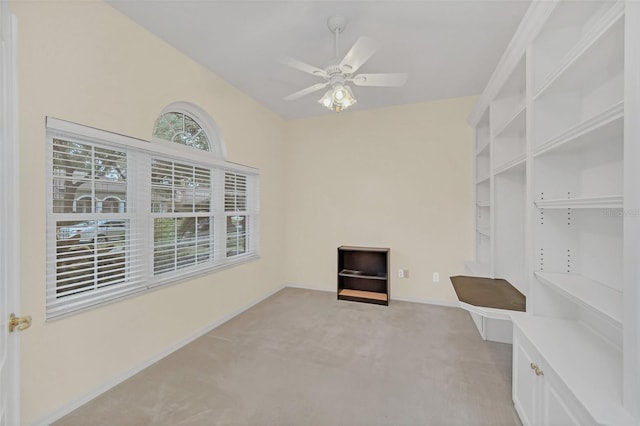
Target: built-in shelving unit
363,274
555,210
482,173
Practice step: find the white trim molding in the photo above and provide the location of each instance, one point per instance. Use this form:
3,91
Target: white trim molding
451,304
9,206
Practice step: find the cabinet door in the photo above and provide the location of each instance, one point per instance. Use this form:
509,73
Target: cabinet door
525,385
555,411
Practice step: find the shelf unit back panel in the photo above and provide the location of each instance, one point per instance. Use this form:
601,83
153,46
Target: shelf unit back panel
590,169
571,22
367,262
364,284
483,217
509,99
591,84
508,235
587,242
483,164
511,142
483,193
482,133
483,248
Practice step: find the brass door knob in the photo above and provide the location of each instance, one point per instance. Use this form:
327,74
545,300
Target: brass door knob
20,323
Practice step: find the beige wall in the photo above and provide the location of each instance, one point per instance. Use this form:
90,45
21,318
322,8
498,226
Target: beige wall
85,62
396,177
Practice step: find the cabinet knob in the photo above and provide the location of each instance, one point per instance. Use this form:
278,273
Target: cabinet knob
537,369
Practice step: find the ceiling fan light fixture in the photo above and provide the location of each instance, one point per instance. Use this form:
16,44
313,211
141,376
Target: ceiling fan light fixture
338,98
327,99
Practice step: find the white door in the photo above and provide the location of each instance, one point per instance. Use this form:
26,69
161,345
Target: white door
9,257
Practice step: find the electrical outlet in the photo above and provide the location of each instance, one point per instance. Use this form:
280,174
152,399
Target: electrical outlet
436,277
400,273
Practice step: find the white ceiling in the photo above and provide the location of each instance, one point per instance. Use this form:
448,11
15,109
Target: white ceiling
448,48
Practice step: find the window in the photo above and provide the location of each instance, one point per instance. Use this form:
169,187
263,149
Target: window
235,208
181,208
91,260
188,125
125,215
180,128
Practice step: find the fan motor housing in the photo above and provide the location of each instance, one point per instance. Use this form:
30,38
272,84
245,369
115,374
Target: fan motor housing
336,78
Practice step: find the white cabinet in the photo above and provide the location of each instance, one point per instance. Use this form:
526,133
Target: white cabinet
538,396
557,196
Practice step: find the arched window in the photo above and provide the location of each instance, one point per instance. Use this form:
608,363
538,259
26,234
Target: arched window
189,125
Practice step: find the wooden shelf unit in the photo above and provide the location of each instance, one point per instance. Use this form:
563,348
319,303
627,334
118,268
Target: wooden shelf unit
363,274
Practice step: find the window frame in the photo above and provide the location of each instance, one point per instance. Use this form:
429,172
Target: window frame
138,211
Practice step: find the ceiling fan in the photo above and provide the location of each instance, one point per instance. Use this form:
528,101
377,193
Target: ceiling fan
338,74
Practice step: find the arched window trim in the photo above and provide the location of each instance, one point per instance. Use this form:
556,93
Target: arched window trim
216,143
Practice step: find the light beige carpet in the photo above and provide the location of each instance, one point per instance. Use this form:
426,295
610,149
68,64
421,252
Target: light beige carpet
303,358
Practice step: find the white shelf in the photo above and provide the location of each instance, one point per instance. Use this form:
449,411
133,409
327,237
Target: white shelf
511,165
482,148
586,364
583,46
590,294
483,203
600,127
512,120
483,178
484,231
603,202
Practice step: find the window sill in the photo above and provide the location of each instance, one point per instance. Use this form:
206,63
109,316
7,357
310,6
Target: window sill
178,278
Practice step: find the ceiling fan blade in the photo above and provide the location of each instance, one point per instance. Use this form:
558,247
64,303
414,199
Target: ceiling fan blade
380,80
360,53
310,69
306,91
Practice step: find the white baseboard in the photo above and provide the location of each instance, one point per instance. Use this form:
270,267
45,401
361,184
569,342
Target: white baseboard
97,391
306,287
452,304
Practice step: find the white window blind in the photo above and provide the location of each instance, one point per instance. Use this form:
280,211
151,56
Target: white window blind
237,217
182,209
92,246
122,219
